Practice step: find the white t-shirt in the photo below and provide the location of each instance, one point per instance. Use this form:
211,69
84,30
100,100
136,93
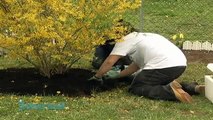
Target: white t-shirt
150,51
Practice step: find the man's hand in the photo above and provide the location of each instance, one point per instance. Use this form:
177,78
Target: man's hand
93,83
95,79
112,74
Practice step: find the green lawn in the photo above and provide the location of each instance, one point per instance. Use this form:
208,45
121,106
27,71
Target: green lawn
191,17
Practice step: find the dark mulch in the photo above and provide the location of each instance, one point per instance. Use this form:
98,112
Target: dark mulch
28,81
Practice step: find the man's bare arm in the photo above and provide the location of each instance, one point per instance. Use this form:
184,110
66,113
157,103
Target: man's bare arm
130,70
107,65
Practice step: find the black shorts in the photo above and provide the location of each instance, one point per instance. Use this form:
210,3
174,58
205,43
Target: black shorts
158,76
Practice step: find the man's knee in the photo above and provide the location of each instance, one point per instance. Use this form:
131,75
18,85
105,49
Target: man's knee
136,91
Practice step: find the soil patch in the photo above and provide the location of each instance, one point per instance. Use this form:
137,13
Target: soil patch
199,56
28,81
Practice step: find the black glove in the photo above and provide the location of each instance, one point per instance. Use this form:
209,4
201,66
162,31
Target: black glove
93,83
95,79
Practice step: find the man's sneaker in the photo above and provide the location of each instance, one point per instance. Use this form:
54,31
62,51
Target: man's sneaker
200,89
180,94
193,88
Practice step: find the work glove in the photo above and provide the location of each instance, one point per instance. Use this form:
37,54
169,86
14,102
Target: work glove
96,79
93,84
112,74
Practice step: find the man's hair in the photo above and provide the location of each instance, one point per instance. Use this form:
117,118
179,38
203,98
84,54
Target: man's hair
122,23
129,26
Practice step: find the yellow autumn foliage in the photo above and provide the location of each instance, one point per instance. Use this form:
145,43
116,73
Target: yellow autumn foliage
53,34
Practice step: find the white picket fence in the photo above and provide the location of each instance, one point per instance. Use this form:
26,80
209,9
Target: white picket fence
197,45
